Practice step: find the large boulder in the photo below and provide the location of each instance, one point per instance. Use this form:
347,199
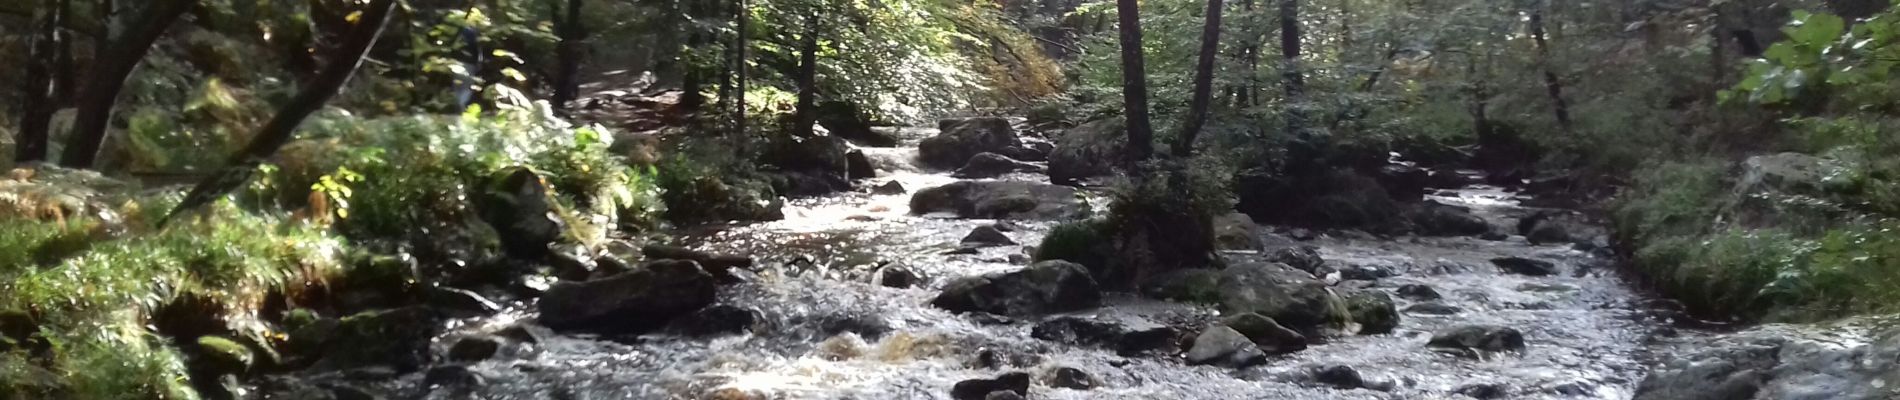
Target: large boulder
1087,151
1373,311
991,165
1237,231
959,139
634,302
1222,346
397,338
1432,218
847,120
516,202
811,166
1001,200
1042,288
1266,333
1325,198
1290,296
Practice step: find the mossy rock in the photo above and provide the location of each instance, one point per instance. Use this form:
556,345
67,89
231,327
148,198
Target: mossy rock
1373,311
1187,285
224,356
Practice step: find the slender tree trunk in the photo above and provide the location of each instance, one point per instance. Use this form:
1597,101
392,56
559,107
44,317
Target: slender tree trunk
1203,81
1303,151
1134,83
108,76
1718,61
695,80
1552,85
1480,99
567,76
744,44
1252,93
279,131
805,111
39,100
724,75
64,81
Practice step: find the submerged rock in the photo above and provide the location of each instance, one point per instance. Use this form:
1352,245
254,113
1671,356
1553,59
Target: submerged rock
1525,266
473,349
988,236
1418,292
1045,287
1127,337
1433,308
1373,311
1474,340
979,389
635,302
959,139
1071,378
991,165
716,320
896,275
1001,200
1222,346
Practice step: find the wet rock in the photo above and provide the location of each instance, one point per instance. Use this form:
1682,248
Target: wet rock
889,188
1001,200
1236,231
1045,287
1304,258
569,266
1004,396
1087,151
1337,198
1290,296
1127,337
991,165
1266,333
1222,346
1495,236
610,265
849,121
1437,219
980,389
1020,259
1418,292
1559,227
396,338
864,325
1339,377
1071,378
1186,285
218,356
1404,182
1433,309
1737,368
452,376
1475,340
959,139
460,303
524,333
1364,272
719,265
988,236
896,275
964,249
634,302
1483,391
516,203
858,166
1373,311
716,320
474,349
810,166
1525,266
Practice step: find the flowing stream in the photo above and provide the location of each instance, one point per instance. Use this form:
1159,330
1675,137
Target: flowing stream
826,333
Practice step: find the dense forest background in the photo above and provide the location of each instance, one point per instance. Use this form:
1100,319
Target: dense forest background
193,179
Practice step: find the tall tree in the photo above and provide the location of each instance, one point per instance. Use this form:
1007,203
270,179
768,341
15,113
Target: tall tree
1552,85
1293,79
1203,81
279,131
743,14
107,78
1134,83
572,35
40,96
805,113
692,98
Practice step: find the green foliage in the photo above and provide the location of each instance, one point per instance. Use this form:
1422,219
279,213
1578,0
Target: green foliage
1671,199
1081,242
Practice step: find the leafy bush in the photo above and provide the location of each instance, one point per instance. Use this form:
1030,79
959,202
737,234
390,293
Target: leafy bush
1081,242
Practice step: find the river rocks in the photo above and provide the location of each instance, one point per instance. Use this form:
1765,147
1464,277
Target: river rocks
1732,370
847,120
1437,219
991,165
474,349
709,198
1185,285
959,139
452,376
857,166
1001,200
1087,151
459,302
889,188
1337,198
517,204
634,302
1525,266
1222,346
896,275
988,236
719,265
1127,336
1477,340
1559,227
396,338
1304,258
1236,231
1343,377
1433,308
811,166
981,389
1266,333
1045,287
1290,296
1851,359
1418,292
1373,311
1071,378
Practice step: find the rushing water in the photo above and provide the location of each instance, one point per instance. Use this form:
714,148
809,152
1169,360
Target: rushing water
828,334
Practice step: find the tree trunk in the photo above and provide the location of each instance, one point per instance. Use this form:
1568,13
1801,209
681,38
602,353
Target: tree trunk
1745,39
1294,80
39,99
1203,81
806,115
744,42
279,131
691,97
1552,85
108,76
567,75
1134,83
